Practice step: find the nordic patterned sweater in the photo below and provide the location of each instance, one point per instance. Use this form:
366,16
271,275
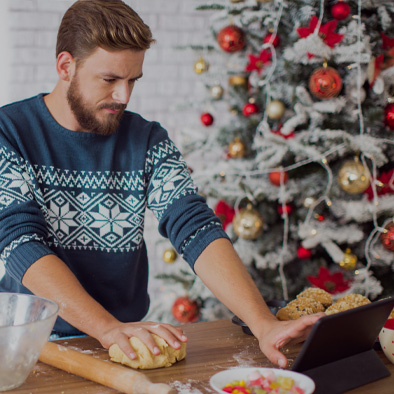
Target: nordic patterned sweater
83,196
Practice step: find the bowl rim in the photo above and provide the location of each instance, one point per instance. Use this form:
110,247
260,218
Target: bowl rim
26,295
284,372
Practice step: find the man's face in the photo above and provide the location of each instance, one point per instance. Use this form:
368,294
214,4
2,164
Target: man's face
100,89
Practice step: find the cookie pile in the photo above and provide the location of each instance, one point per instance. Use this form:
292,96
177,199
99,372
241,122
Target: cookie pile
313,300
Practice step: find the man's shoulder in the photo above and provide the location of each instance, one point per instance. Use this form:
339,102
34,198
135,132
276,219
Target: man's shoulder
20,103
18,107
136,123
136,119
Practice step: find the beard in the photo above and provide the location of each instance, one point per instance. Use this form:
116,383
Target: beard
87,115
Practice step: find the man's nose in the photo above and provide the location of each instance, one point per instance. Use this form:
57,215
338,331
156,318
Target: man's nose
122,93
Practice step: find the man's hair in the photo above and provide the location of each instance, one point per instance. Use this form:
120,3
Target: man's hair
108,24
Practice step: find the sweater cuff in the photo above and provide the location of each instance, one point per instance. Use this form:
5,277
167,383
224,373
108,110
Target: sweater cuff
198,244
23,257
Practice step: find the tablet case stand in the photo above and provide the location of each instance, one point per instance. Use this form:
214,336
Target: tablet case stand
348,373
339,353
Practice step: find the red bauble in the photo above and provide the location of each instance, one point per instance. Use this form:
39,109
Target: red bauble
325,83
231,39
206,119
250,109
389,116
275,177
288,209
387,238
185,310
275,41
340,10
304,253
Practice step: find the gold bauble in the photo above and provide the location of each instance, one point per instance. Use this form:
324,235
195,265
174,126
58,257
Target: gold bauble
349,261
201,66
238,80
247,223
353,177
275,109
169,256
217,92
236,149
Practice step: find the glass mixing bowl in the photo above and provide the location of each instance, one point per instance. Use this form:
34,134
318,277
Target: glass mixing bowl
26,321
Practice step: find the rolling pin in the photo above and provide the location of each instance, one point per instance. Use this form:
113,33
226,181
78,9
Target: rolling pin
104,372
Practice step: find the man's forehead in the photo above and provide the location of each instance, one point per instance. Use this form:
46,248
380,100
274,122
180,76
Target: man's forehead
117,63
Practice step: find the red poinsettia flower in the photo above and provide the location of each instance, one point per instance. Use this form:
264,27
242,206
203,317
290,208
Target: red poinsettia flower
385,185
326,32
257,63
333,283
388,42
225,213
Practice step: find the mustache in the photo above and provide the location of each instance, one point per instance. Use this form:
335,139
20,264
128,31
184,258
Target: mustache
113,106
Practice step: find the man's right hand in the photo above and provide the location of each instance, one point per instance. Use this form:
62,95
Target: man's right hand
121,332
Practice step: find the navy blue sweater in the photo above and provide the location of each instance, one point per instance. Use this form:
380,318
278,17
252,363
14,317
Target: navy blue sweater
83,197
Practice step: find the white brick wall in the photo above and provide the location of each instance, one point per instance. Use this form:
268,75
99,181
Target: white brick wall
169,78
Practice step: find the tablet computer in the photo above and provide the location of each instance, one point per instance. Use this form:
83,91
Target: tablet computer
338,353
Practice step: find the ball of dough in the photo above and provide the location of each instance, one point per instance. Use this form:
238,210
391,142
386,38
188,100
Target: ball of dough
145,358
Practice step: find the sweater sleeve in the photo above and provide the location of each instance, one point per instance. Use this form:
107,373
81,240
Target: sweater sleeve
22,225
184,217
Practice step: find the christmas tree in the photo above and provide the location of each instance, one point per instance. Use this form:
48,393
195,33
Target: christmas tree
294,150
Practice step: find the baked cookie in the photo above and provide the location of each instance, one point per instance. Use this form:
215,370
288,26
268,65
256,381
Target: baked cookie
317,294
354,299
308,302
347,302
299,307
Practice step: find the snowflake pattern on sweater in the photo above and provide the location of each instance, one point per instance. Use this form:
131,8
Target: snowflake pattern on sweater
110,220
83,197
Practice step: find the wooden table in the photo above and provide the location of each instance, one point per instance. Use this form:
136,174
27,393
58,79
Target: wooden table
212,347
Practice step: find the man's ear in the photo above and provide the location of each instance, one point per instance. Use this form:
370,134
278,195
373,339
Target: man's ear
65,64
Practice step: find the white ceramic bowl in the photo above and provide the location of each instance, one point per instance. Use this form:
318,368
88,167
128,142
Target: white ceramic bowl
26,321
220,379
386,339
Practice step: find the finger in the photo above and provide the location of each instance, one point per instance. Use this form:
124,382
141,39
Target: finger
297,330
124,344
275,356
145,336
169,333
177,332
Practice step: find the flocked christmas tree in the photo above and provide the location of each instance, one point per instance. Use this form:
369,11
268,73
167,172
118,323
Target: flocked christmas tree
295,148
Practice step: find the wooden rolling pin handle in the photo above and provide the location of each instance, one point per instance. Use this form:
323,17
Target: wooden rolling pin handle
104,372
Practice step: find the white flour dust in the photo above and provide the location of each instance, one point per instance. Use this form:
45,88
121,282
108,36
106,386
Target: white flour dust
186,388
243,358
80,350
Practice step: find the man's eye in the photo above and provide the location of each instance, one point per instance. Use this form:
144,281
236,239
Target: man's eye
109,80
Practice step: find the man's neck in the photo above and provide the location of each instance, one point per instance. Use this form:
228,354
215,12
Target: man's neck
58,106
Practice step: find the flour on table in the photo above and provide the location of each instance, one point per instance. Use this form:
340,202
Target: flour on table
186,388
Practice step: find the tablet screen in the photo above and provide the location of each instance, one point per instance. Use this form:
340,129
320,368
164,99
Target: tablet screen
343,334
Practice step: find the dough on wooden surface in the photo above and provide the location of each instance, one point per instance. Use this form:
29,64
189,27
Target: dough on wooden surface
145,359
